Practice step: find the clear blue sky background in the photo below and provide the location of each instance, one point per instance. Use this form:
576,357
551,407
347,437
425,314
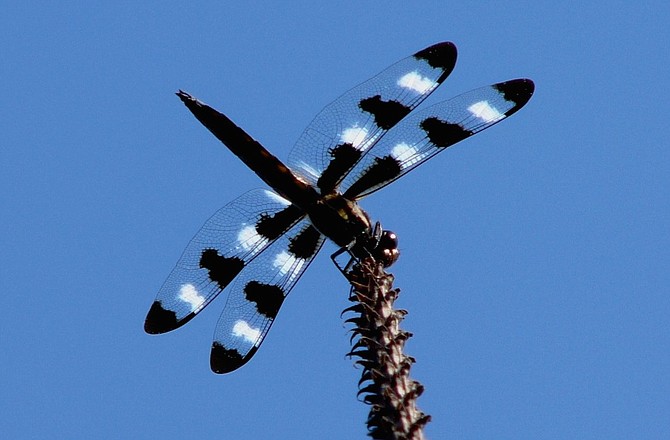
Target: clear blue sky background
535,255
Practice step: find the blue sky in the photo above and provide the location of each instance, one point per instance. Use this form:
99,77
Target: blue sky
534,260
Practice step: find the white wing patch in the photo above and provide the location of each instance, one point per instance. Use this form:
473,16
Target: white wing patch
417,82
309,170
483,110
354,136
406,154
277,198
284,262
189,294
249,238
243,330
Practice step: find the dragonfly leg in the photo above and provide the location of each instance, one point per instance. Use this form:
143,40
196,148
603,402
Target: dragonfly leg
380,245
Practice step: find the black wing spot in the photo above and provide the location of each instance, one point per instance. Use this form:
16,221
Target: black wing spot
386,113
160,320
443,134
382,170
223,360
267,297
343,157
272,226
518,91
305,244
221,269
439,56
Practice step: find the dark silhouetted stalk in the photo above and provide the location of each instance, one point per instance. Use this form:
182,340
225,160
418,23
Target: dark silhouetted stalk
378,344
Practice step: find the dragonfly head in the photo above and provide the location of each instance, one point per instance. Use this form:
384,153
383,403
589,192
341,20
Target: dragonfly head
386,251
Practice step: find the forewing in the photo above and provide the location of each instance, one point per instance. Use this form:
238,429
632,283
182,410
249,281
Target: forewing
227,242
258,293
424,134
341,133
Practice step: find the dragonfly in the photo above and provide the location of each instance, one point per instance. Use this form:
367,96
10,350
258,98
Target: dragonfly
261,243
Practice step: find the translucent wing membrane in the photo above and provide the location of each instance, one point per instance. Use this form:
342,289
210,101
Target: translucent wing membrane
227,242
341,133
257,294
424,134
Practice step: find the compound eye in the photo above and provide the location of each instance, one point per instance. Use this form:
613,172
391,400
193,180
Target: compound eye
388,240
387,249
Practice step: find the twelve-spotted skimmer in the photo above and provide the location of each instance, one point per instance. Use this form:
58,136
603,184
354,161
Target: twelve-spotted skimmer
263,241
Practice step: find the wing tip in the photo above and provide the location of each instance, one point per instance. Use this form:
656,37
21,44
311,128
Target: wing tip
518,90
440,56
160,320
223,360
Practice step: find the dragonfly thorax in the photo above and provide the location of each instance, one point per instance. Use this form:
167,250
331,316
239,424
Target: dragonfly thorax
340,219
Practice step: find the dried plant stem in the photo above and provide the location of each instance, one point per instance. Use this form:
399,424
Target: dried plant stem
385,383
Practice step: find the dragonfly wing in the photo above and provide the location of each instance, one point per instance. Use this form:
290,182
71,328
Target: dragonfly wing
228,241
258,293
342,132
428,132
